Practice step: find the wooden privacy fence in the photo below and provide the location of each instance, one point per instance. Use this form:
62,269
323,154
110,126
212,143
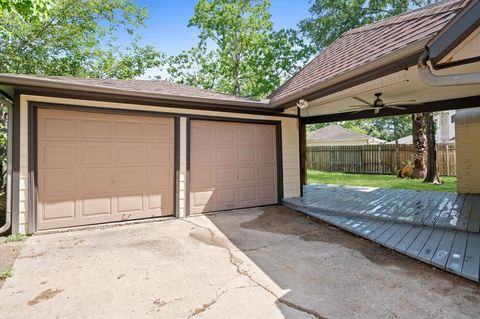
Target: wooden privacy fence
373,159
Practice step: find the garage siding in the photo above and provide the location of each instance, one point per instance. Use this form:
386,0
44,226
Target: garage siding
290,147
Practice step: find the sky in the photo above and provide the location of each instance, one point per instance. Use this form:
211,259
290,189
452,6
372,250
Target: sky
166,27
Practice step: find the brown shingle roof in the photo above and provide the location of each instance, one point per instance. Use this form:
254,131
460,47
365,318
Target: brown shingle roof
335,132
138,86
368,43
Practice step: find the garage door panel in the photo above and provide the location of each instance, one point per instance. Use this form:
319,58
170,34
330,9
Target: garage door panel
159,154
56,155
267,192
247,175
266,135
202,179
94,181
245,134
131,154
129,203
248,194
96,206
57,182
203,135
224,135
57,127
131,130
95,154
160,132
267,173
159,177
97,168
242,172
202,155
96,129
129,178
58,209
224,156
225,176
266,154
247,155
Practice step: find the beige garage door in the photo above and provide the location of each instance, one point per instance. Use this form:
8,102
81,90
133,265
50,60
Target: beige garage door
232,165
97,168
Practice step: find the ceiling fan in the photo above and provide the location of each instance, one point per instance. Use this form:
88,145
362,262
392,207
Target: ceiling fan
378,104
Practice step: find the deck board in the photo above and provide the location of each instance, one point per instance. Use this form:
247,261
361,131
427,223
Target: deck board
442,229
457,254
431,245
471,264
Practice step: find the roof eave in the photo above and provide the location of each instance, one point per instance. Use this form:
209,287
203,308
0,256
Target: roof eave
395,62
51,84
452,34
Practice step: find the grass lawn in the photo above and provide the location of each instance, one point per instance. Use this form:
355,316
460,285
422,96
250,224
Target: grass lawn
382,181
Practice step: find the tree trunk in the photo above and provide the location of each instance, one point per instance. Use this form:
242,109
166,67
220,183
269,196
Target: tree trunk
432,172
419,145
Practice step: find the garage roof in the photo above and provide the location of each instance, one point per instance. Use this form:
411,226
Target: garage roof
366,44
152,88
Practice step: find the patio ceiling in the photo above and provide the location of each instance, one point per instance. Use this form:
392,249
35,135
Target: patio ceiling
405,85
424,60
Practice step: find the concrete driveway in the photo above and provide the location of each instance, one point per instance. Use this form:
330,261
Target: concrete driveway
256,263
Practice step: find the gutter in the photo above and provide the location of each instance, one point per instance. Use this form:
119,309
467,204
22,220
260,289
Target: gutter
430,79
8,214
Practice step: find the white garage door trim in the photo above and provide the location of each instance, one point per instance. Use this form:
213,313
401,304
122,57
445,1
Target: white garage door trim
278,156
33,149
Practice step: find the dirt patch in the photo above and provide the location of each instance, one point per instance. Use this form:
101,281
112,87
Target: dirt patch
282,220
44,295
8,252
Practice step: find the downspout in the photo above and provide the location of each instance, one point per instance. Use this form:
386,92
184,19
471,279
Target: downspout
8,214
431,79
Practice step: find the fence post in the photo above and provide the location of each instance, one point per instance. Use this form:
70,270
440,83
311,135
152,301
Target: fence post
448,159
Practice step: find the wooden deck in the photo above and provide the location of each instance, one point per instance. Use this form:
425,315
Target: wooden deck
442,229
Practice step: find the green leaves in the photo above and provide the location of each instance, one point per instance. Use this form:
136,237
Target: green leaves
73,38
238,52
331,18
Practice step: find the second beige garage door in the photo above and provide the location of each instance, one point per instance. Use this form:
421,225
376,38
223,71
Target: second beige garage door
232,165
97,168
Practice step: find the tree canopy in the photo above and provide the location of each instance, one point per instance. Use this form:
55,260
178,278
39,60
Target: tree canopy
331,18
73,38
238,52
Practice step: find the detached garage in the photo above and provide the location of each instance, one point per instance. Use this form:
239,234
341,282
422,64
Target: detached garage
89,151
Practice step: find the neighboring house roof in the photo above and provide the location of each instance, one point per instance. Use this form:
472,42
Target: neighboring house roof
155,88
363,45
336,132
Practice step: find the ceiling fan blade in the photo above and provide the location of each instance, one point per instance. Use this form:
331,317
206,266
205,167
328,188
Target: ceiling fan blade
358,105
403,104
401,101
361,110
362,100
395,107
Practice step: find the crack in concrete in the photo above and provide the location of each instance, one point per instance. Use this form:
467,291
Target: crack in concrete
234,261
206,306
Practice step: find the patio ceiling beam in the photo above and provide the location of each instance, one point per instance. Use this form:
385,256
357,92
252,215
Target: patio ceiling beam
453,104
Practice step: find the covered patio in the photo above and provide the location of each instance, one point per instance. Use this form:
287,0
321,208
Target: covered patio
426,60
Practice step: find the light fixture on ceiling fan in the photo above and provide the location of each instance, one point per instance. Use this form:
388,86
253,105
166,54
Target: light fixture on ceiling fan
378,104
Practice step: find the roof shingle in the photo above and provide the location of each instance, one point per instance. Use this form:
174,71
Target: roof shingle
368,43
